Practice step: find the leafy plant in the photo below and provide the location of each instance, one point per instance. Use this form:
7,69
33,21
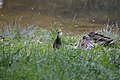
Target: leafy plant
33,58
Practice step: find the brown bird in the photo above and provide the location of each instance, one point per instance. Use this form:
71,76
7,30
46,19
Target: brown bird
57,43
85,43
100,38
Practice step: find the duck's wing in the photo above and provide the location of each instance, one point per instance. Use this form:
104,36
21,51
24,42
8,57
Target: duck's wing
100,35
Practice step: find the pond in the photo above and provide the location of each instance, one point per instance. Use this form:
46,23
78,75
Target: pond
73,16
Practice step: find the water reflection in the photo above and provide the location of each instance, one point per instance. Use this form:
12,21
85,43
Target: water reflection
75,15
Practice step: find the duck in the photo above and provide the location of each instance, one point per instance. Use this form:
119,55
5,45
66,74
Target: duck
85,43
99,38
57,43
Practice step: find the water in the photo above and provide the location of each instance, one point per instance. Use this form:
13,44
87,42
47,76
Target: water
72,16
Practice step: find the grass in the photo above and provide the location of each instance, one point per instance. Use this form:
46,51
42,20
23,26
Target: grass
27,54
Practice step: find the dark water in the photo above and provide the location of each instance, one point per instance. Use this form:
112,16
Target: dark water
75,16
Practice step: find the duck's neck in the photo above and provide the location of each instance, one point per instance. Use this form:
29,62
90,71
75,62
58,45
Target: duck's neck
58,39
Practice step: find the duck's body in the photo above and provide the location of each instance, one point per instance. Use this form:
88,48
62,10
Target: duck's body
96,36
85,43
99,38
57,43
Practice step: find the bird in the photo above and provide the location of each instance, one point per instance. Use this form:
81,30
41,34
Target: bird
85,43
99,38
57,43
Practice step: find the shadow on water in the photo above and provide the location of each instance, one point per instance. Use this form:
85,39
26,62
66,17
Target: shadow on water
72,15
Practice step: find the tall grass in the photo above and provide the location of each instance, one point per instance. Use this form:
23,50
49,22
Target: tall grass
27,54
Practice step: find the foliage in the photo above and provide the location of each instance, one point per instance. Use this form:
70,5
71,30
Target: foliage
31,57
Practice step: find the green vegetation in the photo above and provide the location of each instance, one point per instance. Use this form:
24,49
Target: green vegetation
28,55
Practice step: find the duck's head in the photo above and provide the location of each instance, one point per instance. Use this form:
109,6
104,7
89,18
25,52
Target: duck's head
59,33
91,34
86,38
